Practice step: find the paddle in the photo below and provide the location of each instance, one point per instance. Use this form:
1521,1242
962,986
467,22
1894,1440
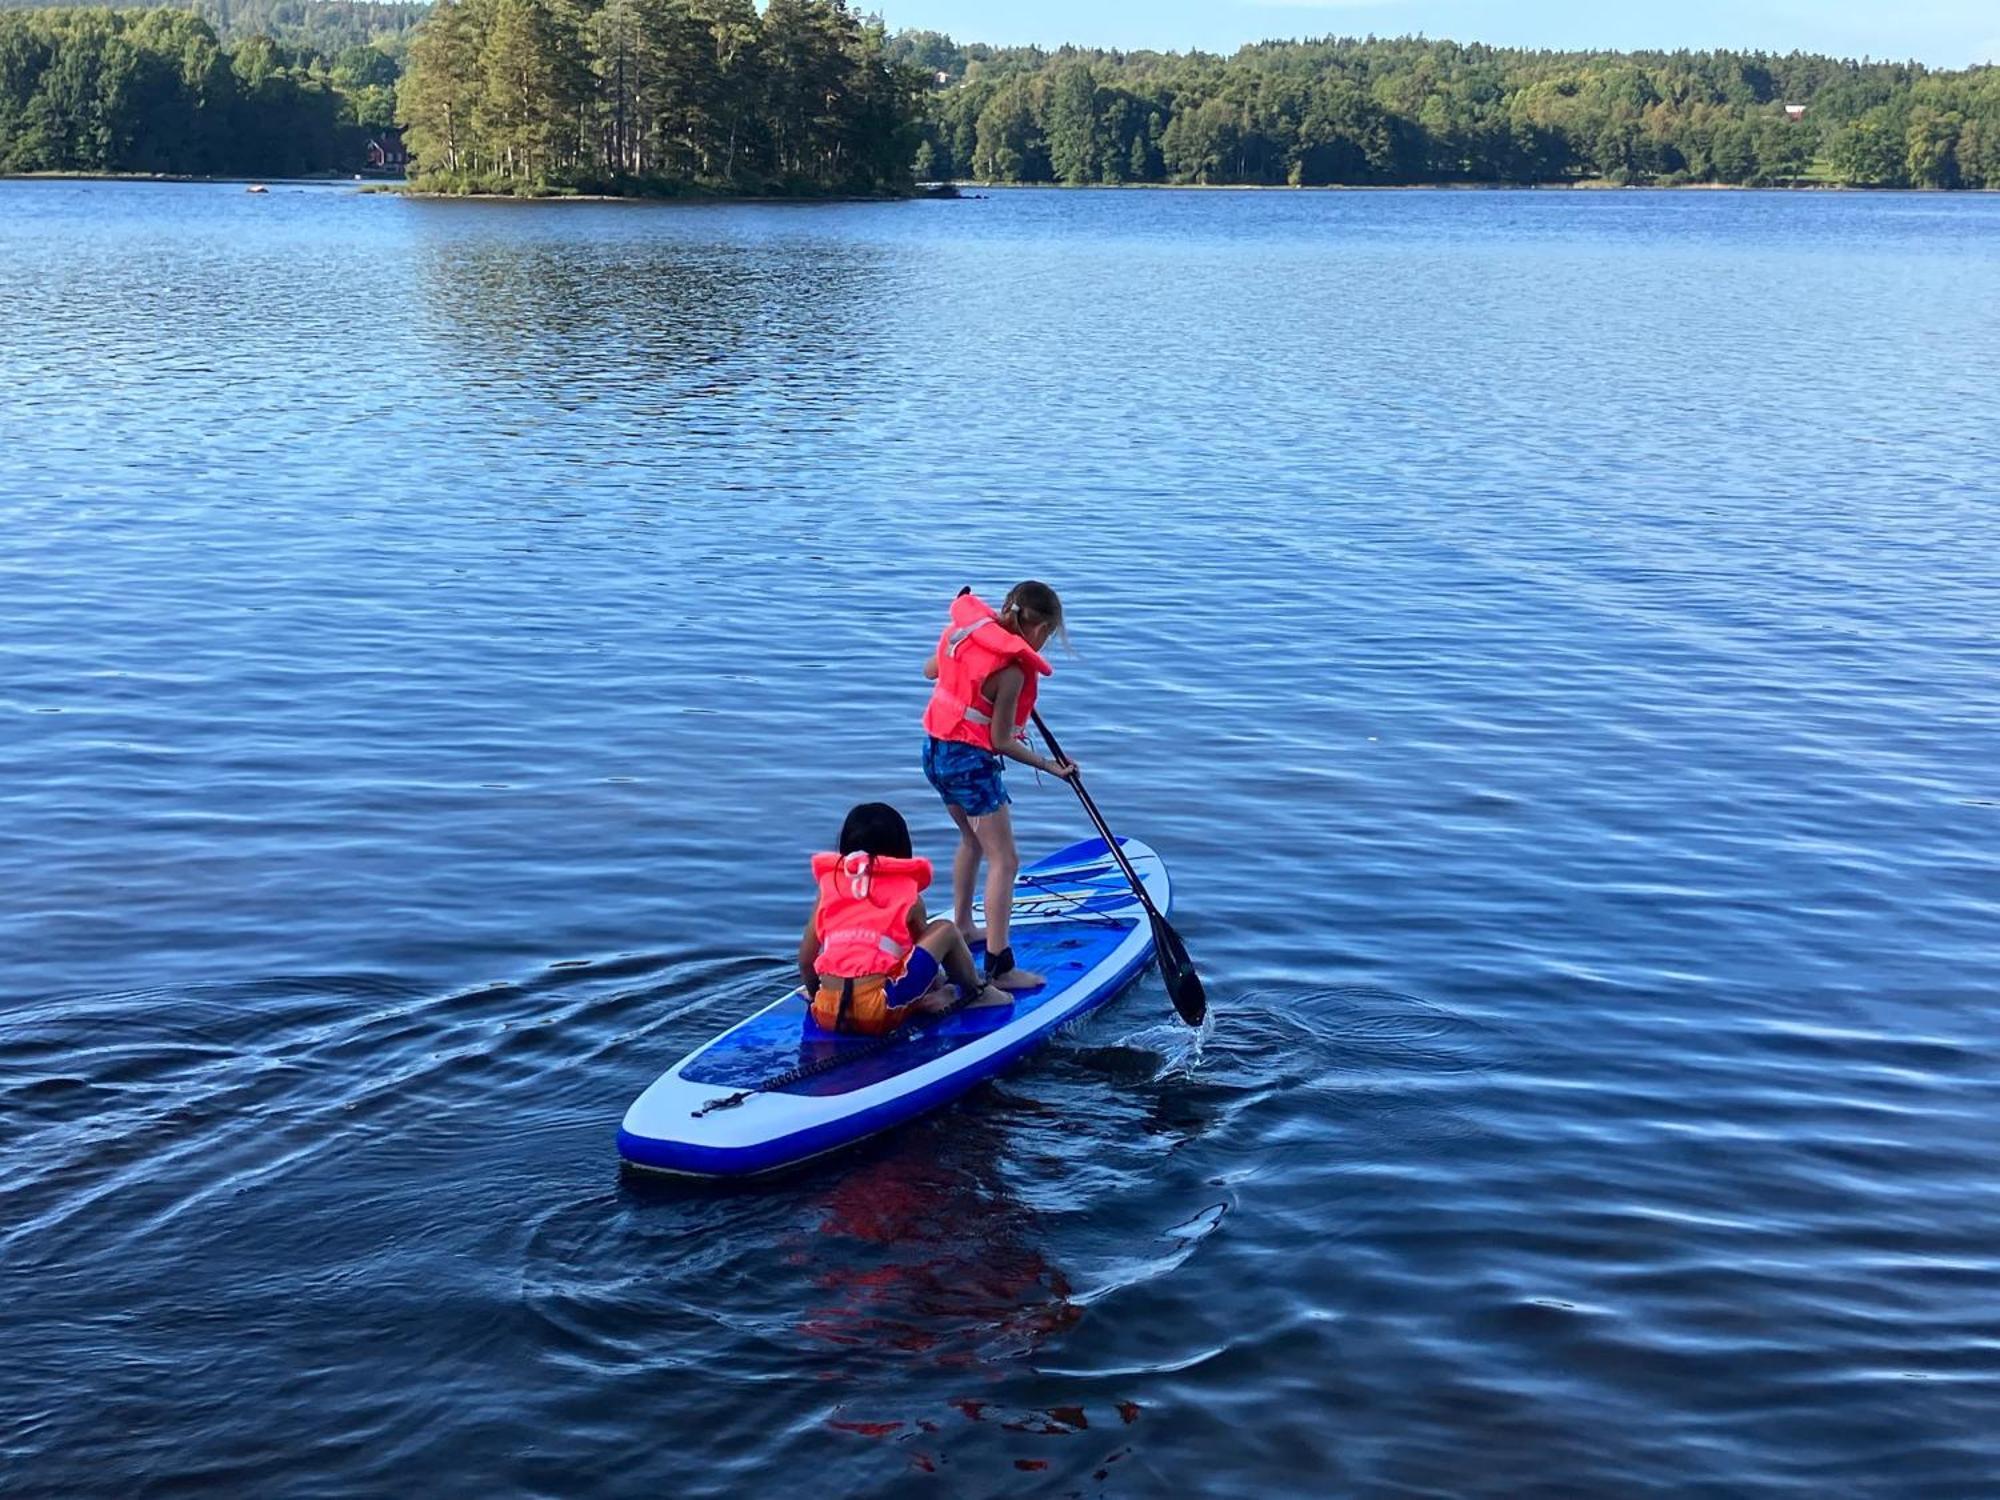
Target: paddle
1176,968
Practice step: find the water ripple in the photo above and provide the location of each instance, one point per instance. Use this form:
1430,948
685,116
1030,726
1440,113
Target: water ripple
1549,634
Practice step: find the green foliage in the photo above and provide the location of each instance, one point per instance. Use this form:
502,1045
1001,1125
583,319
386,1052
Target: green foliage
325,27
1931,159
659,96
365,67
1075,153
808,96
1870,151
1011,144
153,91
1410,110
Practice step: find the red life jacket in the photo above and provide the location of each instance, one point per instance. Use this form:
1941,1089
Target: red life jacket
864,912
973,647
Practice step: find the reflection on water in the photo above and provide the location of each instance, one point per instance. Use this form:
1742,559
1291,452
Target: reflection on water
1547,634
629,317
943,1272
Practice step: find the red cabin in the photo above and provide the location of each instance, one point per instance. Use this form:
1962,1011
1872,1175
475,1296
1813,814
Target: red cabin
386,152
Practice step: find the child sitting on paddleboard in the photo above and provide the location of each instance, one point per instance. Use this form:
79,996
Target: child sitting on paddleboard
987,665
870,957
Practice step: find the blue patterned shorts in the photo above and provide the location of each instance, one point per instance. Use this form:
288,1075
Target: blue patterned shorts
966,776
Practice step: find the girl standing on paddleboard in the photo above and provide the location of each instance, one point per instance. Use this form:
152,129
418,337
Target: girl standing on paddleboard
987,666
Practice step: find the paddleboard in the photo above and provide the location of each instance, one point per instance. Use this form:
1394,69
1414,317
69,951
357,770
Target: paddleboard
736,1107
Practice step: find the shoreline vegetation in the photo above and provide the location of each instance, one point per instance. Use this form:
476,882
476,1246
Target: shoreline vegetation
1407,111
400,187
659,98
730,99
967,188
673,193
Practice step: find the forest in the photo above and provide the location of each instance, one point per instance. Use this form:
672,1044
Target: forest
156,91
813,97
511,96
326,27
1406,111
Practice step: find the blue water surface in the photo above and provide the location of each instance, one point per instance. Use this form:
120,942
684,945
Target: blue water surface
1550,637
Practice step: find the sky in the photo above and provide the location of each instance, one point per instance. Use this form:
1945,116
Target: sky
1943,33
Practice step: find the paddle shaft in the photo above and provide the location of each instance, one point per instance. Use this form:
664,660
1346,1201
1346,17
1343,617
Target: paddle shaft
1075,779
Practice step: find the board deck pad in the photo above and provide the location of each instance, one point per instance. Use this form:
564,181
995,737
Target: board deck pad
1076,921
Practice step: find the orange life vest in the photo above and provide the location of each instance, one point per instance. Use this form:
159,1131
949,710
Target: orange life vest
973,647
864,912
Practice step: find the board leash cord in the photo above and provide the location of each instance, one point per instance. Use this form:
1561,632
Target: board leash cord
802,1071
1048,900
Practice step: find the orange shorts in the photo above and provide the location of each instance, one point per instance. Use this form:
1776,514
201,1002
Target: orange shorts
881,1002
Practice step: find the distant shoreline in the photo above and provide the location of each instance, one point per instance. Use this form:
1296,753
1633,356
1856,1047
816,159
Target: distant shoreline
401,188
317,179
1586,185
692,195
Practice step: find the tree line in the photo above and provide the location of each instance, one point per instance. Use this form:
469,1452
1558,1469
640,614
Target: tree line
522,96
1407,111
807,96
659,96
156,91
328,27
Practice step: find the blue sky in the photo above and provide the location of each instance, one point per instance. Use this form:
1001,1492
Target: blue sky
1945,33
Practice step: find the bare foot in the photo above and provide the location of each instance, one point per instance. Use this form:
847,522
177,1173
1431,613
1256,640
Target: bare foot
934,1002
991,995
973,936
1019,979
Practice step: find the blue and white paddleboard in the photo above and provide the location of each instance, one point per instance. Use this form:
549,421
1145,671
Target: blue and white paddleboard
716,1113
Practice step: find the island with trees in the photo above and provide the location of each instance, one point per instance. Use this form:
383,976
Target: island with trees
659,97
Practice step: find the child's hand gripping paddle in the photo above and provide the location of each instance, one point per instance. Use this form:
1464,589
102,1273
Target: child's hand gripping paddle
1176,968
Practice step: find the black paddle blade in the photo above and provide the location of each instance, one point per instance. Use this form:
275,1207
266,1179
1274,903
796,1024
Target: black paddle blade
1177,969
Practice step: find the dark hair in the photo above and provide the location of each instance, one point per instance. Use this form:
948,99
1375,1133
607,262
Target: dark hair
1037,603
875,828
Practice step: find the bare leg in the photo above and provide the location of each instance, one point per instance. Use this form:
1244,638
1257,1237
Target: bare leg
996,835
944,942
964,873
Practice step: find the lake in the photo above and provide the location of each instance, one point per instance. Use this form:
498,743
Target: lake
1549,635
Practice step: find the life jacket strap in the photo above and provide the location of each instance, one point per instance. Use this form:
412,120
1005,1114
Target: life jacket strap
964,632
882,941
964,709
846,1004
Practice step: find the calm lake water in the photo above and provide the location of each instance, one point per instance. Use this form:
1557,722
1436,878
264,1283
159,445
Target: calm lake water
1550,637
